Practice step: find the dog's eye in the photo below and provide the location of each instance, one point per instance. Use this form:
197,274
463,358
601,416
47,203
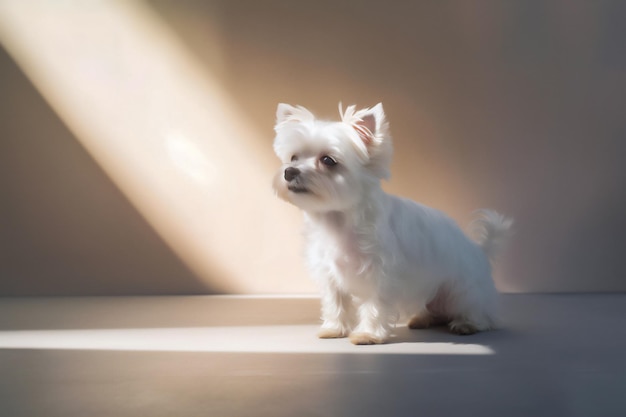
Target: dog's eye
328,161
294,158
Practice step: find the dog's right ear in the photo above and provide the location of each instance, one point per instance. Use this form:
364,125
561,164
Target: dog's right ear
286,113
283,112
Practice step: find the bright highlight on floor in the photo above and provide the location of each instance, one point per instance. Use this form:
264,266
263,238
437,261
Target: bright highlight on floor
235,339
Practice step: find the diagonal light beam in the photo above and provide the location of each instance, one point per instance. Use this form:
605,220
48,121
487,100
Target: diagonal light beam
166,133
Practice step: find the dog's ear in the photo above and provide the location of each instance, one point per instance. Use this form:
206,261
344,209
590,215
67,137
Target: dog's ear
373,141
283,112
286,113
370,124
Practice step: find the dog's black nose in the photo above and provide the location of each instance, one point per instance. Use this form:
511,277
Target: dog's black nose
291,173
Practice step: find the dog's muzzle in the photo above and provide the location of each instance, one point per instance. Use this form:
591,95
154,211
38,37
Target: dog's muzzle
291,174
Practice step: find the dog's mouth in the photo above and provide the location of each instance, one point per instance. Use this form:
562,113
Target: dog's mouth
298,189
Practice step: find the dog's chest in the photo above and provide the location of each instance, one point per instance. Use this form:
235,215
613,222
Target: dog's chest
348,260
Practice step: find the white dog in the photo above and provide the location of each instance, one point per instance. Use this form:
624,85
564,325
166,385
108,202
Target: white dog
378,257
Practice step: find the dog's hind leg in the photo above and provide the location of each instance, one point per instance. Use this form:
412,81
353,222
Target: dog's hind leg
433,314
426,319
473,309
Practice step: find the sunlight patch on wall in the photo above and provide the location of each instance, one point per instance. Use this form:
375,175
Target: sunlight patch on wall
190,159
166,133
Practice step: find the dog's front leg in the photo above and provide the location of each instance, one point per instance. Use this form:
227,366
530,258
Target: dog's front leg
373,325
337,313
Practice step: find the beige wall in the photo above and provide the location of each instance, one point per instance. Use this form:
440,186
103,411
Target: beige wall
516,106
65,227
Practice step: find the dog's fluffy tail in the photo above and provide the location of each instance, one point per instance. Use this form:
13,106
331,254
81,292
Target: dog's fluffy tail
491,231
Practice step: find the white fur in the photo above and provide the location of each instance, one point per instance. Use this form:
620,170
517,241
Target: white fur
378,257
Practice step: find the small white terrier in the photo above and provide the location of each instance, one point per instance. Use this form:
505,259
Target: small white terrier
378,257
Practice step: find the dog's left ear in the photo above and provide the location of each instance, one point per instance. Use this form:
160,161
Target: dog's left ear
369,124
373,143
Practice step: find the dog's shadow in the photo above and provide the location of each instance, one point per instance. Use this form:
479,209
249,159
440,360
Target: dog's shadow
437,334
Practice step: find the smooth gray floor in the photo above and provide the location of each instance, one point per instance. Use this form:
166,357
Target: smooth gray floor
558,355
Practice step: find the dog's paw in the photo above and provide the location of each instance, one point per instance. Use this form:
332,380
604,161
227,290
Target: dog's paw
327,333
365,339
463,329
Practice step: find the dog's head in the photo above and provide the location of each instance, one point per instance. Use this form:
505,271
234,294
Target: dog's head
329,166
